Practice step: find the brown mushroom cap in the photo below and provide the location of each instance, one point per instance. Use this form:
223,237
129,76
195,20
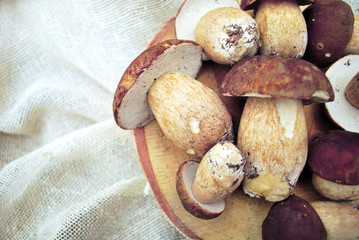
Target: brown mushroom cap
130,106
330,26
272,76
253,4
334,155
186,174
293,218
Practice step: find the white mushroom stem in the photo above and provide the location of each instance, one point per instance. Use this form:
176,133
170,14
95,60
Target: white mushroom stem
335,191
282,28
273,135
340,219
219,174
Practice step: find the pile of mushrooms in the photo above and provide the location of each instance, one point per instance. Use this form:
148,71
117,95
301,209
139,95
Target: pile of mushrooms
263,43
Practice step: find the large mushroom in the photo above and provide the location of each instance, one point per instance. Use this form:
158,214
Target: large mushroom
189,113
342,111
333,158
130,105
272,131
160,84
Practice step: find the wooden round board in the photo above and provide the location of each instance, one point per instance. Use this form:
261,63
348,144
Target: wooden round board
243,215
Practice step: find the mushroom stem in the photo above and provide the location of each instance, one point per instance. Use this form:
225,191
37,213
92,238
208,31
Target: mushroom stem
340,219
282,28
273,136
335,191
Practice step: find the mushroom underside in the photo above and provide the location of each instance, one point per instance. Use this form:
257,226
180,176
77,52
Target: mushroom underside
134,110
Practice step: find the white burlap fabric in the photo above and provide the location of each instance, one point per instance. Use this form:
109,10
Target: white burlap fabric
67,171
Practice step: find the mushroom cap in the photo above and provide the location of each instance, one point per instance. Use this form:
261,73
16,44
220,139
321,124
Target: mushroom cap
184,179
191,11
330,27
334,155
293,218
253,4
130,106
341,112
275,77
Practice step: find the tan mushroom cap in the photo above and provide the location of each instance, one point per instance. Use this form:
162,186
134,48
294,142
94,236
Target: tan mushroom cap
130,106
275,77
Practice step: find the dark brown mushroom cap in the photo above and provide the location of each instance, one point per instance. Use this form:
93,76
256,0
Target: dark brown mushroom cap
272,76
130,106
293,218
330,26
334,156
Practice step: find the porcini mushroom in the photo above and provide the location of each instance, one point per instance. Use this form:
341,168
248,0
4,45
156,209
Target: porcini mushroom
340,219
190,13
333,159
186,174
189,113
341,111
330,26
220,173
293,218
272,131
202,187
225,32
227,35
282,27
130,105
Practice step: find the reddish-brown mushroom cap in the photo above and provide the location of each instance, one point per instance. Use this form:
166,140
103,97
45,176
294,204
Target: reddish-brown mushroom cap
275,77
293,218
334,155
130,106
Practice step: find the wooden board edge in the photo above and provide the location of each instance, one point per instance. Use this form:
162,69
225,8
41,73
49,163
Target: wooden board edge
142,153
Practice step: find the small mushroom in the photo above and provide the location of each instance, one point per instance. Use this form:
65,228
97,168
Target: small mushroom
227,35
189,113
130,105
184,179
203,187
330,26
333,158
272,131
282,27
340,219
293,218
341,111
220,173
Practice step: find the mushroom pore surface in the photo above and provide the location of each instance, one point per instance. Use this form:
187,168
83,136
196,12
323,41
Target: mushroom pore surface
130,106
